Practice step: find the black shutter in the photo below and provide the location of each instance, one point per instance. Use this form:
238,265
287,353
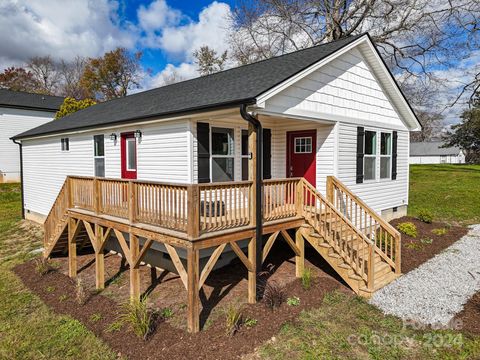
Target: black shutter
267,154
203,141
394,155
360,153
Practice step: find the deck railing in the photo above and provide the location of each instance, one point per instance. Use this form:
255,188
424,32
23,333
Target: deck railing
194,209
386,238
56,215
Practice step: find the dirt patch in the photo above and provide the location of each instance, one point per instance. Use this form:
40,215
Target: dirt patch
170,340
427,244
470,315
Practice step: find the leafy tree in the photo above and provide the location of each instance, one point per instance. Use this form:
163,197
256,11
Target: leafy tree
71,73
112,75
466,134
17,79
208,62
71,105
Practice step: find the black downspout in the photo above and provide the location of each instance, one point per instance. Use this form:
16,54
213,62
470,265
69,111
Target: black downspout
21,176
258,183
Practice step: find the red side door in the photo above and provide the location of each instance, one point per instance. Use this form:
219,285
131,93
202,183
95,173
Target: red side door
301,155
128,148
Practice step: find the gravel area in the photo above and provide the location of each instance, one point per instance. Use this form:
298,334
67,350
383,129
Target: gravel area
438,289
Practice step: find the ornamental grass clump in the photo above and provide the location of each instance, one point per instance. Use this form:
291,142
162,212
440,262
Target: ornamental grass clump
408,228
307,279
139,317
43,266
233,318
274,295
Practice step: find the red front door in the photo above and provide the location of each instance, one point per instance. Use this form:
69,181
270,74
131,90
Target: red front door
301,155
128,148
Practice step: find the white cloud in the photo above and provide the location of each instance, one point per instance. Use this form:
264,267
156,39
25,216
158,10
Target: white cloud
184,71
181,39
60,28
157,15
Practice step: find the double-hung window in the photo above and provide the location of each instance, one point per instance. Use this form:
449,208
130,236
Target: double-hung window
65,144
222,150
99,155
385,155
370,159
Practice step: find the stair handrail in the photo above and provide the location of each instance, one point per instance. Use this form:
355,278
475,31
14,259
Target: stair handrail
370,274
388,235
52,217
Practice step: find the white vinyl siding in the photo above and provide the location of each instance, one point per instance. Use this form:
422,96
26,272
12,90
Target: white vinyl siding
344,90
14,122
162,155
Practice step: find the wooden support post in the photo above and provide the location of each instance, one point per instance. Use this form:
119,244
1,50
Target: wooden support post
68,193
299,198
330,189
96,196
134,268
193,206
132,201
72,249
299,259
192,290
99,259
371,268
252,273
398,254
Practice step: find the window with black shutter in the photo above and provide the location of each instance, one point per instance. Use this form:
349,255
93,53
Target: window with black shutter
394,155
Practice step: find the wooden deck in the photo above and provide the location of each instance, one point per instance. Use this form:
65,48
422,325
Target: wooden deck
355,241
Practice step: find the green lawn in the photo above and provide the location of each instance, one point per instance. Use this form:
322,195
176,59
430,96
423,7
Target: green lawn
28,329
450,192
343,327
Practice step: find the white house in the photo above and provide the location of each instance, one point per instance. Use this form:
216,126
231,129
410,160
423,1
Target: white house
433,153
19,112
333,109
165,169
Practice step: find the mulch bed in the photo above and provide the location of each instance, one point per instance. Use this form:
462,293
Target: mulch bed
415,252
171,342
223,287
470,315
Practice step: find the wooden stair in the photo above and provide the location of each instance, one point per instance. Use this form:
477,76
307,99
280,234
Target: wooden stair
350,250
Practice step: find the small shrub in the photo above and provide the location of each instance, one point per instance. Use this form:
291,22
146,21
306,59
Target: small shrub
250,322
426,240
307,279
95,317
81,294
233,318
63,297
414,246
440,231
293,301
425,216
408,228
140,318
274,295
43,266
166,313
115,326
50,289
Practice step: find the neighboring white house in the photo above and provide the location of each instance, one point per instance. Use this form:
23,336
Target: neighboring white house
434,153
19,112
333,109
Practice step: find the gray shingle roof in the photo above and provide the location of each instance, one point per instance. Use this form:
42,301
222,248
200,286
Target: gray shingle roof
25,100
227,88
431,149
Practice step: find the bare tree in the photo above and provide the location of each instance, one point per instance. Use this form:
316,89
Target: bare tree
44,71
416,37
71,73
207,60
172,77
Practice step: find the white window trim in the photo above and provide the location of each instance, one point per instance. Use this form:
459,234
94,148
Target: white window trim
295,138
370,156
247,156
62,142
212,156
97,156
127,141
385,156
